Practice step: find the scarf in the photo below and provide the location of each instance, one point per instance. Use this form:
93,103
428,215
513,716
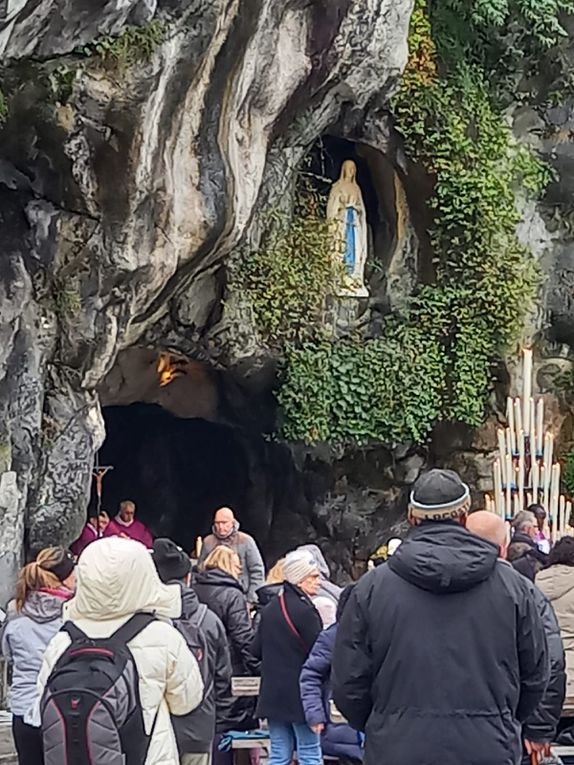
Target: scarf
229,536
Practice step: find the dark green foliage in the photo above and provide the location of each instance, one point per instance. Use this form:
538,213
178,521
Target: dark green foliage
288,278
134,45
569,474
435,362
385,390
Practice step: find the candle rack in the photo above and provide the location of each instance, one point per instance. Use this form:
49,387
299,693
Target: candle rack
524,470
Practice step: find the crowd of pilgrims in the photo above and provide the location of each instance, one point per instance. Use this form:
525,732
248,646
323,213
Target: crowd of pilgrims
457,649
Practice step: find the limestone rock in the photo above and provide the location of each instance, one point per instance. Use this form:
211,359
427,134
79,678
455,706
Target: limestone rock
123,188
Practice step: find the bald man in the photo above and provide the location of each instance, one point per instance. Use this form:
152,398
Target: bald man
226,532
539,729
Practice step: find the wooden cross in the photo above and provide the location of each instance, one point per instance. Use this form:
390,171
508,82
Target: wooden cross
99,473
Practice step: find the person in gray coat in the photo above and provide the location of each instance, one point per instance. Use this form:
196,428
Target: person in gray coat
33,619
226,532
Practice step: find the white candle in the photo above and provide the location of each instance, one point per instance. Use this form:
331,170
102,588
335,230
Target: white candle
562,516
518,416
521,446
521,472
539,426
535,480
502,453
498,498
510,419
516,505
532,429
509,477
528,499
568,514
548,448
526,388
548,471
508,441
554,492
487,503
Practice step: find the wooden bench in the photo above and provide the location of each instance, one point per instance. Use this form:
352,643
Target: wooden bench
251,686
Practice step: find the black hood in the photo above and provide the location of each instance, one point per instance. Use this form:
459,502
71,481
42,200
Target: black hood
189,601
266,593
215,577
444,557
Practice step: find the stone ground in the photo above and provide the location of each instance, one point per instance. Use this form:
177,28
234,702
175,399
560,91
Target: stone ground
7,755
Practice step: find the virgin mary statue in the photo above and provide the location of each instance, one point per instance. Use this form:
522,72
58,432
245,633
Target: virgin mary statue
346,212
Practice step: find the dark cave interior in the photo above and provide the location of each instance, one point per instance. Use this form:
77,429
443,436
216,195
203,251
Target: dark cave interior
177,471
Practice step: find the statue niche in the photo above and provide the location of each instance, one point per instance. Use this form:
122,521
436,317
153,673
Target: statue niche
347,215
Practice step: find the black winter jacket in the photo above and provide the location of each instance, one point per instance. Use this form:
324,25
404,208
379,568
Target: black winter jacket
542,723
265,595
441,653
283,654
532,560
194,732
225,597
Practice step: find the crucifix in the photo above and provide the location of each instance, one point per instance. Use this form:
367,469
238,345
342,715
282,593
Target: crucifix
99,473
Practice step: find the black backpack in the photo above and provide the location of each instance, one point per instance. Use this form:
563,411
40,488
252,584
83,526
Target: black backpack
91,710
197,643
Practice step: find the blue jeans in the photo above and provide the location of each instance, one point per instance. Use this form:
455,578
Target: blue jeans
286,737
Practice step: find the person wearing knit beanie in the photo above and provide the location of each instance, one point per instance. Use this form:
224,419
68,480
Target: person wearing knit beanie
288,629
438,495
298,566
172,563
442,626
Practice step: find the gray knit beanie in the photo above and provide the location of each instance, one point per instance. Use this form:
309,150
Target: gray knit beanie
298,565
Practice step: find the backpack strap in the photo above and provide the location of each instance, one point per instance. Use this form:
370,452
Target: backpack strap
74,632
201,612
132,627
289,621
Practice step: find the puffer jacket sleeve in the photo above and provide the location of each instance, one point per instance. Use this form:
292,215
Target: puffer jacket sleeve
542,723
315,677
184,686
533,654
223,672
240,630
351,673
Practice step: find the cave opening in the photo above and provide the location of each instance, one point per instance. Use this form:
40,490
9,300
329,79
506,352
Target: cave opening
178,471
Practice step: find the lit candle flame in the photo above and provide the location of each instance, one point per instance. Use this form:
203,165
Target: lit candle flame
168,369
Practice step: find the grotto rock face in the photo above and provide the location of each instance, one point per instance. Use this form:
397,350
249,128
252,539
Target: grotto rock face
124,188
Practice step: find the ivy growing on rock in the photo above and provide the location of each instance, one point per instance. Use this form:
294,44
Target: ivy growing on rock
435,361
289,277
386,389
134,45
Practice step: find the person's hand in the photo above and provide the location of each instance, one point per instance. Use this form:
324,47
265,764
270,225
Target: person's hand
318,729
536,747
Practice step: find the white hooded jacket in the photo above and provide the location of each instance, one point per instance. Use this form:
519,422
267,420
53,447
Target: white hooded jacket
117,578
